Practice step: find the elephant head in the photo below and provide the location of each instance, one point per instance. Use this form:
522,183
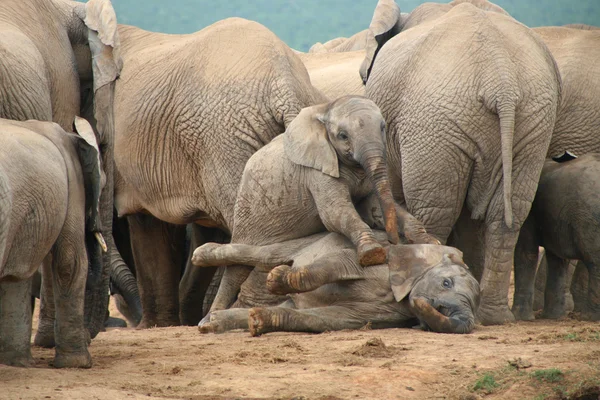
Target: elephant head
442,292
348,131
92,32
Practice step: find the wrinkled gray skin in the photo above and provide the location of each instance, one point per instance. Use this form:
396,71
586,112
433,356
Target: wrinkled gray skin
472,125
50,181
329,290
565,220
335,74
190,110
576,50
305,181
540,283
58,62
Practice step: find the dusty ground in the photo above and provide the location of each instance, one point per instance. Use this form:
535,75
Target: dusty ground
550,359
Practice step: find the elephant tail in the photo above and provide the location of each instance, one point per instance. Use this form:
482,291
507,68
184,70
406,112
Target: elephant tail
506,114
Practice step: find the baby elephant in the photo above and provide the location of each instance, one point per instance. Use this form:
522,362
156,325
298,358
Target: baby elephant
308,180
329,290
565,220
50,184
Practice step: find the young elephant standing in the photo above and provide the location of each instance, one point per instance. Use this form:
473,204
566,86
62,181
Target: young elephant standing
306,181
565,219
331,291
50,182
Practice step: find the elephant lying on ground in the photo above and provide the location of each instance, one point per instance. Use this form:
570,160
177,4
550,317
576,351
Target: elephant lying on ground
306,181
565,220
329,290
472,126
50,186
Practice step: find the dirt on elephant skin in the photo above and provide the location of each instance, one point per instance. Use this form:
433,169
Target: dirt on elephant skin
527,360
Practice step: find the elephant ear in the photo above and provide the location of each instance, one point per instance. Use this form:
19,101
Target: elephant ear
407,262
384,25
91,166
306,143
103,38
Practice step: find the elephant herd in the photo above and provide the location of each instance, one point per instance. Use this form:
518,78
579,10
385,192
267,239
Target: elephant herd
328,185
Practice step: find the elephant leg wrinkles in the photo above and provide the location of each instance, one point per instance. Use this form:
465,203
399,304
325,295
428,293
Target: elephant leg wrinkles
158,251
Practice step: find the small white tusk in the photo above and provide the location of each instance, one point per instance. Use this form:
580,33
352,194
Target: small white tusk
100,240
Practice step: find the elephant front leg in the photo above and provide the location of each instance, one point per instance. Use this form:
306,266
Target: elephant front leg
312,320
233,278
15,323
339,214
158,249
44,336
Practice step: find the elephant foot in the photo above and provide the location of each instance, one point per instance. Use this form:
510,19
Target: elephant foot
277,280
260,321
494,315
371,253
44,337
590,316
208,324
523,312
203,257
157,322
73,360
416,233
17,359
554,311
113,322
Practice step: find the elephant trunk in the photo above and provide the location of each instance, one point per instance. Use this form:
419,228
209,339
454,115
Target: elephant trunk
373,161
126,284
438,322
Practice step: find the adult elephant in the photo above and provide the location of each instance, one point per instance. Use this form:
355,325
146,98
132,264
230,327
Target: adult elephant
60,59
576,49
335,74
470,117
190,110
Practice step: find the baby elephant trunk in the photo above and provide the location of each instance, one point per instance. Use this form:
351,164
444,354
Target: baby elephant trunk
373,162
438,322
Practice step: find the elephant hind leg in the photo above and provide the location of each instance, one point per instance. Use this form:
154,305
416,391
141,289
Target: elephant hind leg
15,323
592,311
69,274
312,320
332,267
44,337
556,286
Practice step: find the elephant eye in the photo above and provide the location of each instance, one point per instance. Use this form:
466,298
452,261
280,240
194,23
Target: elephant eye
342,135
447,283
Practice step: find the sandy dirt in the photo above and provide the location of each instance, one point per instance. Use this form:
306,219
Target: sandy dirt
528,360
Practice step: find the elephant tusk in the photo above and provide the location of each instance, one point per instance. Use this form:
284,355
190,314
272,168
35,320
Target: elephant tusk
100,240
